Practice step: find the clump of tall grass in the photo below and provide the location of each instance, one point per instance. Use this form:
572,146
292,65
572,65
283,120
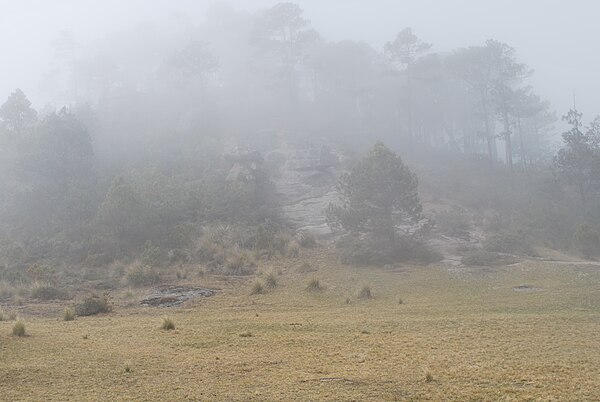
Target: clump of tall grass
68,314
19,328
270,280
257,288
365,293
168,324
314,286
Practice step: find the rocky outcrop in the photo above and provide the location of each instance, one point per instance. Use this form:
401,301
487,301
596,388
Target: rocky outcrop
305,183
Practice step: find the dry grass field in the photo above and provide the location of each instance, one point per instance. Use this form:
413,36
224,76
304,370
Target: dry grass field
456,334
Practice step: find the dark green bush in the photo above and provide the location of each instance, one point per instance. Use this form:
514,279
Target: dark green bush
486,258
508,243
378,251
453,223
587,241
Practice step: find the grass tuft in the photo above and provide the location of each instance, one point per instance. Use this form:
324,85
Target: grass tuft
428,375
257,288
314,286
68,314
168,324
19,328
365,293
271,280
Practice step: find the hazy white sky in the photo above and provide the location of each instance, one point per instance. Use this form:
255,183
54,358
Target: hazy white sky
557,38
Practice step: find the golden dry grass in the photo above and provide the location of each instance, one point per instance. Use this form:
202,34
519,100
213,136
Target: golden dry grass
475,336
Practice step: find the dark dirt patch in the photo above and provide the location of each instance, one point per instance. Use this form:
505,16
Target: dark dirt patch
171,296
526,288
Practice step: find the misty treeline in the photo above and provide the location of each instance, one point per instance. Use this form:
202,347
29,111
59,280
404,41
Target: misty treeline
165,127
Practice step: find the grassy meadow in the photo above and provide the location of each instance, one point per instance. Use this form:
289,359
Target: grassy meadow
426,333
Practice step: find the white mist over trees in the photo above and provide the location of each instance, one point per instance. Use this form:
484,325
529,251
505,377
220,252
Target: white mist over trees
167,126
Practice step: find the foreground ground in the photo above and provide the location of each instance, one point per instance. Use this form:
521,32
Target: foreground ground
475,331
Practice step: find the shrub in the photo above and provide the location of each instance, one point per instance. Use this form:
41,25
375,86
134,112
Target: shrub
151,256
68,314
307,239
508,243
92,305
587,240
314,286
46,291
19,328
424,254
486,258
143,275
271,281
246,334
379,251
365,293
453,223
365,251
257,288
168,324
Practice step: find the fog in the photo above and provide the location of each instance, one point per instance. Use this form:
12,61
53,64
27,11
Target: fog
554,37
383,200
